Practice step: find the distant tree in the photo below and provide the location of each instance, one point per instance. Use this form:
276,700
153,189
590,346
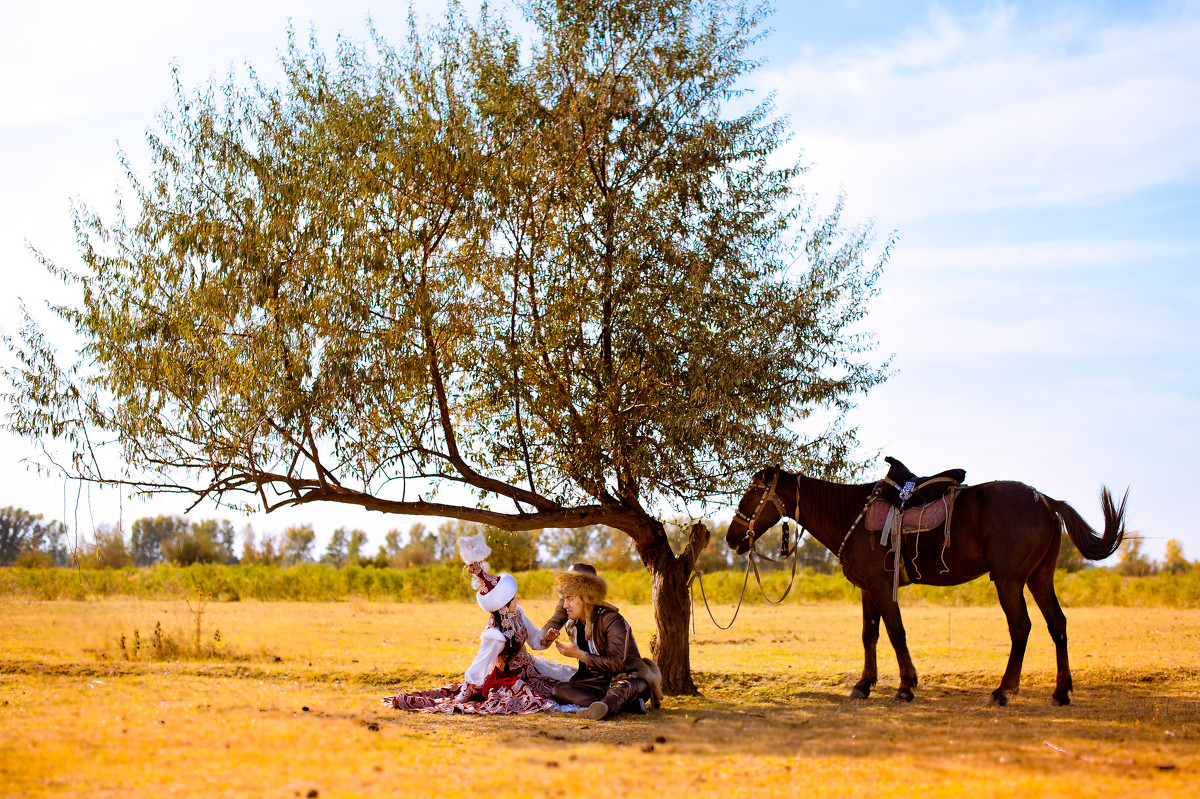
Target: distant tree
221,533
345,547
150,534
418,552
354,546
298,544
335,552
615,551
716,556
208,541
393,542
108,549
816,558
575,275
1133,563
1070,559
22,532
1173,560
566,545
268,551
445,538
512,551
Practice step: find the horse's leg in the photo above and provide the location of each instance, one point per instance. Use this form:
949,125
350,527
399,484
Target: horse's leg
1041,585
1012,599
870,639
890,612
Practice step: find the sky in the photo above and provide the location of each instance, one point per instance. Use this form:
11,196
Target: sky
1037,163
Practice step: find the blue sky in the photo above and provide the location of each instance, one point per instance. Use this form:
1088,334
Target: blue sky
1040,164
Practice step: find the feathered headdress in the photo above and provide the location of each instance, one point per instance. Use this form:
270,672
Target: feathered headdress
474,549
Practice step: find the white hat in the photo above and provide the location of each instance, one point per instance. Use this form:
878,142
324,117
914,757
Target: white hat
500,594
494,590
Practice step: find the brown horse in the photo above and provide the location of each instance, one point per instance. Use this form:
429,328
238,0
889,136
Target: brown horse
1005,529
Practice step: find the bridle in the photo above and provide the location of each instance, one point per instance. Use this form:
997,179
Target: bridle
768,495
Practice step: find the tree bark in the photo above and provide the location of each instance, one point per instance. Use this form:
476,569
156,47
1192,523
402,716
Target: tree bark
672,609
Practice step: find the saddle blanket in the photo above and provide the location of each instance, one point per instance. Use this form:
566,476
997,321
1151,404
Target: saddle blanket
913,520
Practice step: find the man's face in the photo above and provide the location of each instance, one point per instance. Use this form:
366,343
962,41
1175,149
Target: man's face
574,607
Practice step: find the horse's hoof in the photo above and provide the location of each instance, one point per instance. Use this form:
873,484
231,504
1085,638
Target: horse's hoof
859,693
998,698
903,696
1062,698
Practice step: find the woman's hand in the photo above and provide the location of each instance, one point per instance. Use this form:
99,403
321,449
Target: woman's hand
548,636
466,692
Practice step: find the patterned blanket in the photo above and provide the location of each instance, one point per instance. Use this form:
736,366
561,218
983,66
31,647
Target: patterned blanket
913,520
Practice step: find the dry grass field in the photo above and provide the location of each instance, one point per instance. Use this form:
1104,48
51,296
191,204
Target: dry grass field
285,704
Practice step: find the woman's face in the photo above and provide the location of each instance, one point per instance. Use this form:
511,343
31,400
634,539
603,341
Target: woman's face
512,606
574,607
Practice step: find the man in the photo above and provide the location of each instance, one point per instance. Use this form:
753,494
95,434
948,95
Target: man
612,675
559,618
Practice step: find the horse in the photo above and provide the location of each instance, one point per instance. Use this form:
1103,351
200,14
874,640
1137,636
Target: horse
1006,529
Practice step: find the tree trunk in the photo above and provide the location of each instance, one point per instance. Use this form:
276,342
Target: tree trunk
672,608
672,614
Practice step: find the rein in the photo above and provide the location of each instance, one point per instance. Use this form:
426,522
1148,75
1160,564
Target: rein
769,495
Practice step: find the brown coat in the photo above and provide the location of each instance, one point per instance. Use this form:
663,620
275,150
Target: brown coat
617,650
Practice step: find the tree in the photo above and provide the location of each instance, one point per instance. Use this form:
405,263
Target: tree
512,551
297,544
716,556
220,532
148,537
1069,557
209,541
335,552
1133,562
419,550
22,532
49,541
553,285
345,547
566,545
108,550
267,552
816,558
354,546
1174,561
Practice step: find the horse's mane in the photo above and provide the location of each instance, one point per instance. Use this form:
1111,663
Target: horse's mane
829,508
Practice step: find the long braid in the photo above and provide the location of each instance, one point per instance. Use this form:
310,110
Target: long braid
511,644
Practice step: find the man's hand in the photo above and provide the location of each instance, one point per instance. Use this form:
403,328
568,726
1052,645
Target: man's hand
569,650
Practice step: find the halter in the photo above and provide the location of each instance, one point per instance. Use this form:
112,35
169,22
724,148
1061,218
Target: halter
769,495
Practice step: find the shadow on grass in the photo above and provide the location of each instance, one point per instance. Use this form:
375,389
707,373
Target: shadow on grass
1109,724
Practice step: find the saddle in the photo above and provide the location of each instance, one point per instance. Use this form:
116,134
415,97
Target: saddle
903,489
904,503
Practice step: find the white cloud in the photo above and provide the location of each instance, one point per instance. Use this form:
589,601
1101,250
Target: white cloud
971,114
1041,256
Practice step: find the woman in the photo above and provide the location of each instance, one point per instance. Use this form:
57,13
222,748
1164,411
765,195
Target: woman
503,677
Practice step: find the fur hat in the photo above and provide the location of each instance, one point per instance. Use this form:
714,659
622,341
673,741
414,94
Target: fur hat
582,581
493,591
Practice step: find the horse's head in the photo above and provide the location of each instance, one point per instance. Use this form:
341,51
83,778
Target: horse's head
758,510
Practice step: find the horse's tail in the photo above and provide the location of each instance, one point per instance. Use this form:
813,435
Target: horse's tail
1089,544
